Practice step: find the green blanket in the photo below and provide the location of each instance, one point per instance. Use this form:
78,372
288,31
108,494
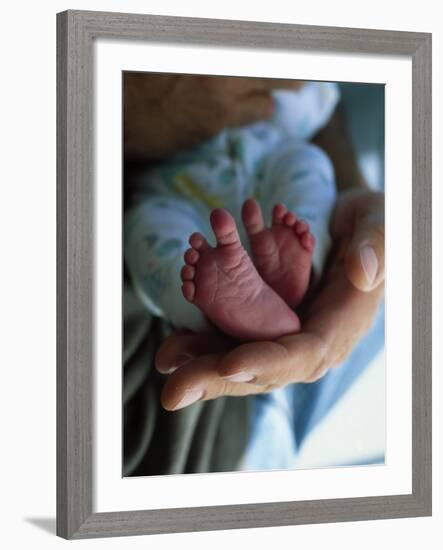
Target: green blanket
205,437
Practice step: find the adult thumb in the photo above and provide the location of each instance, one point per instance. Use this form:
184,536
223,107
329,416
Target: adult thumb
365,256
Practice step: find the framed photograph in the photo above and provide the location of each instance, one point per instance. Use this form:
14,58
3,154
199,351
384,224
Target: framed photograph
243,274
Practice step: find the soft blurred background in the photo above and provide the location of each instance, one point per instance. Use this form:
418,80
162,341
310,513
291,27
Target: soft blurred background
353,432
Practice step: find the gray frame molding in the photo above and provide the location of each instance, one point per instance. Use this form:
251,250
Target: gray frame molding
76,31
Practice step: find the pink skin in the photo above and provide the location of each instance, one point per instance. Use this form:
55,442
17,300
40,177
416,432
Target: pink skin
225,285
282,253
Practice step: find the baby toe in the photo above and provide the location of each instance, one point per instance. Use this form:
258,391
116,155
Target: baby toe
191,256
307,241
278,213
224,227
188,289
197,241
289,219
252,217
301,227
187,273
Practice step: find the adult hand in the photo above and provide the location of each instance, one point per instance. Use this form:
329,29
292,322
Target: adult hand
342,311
164,114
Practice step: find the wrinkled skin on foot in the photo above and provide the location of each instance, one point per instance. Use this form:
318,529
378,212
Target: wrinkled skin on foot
282,253
225,285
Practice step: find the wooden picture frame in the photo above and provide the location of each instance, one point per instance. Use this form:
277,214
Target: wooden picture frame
76,32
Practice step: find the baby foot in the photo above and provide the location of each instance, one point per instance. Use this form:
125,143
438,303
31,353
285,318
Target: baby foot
225,285
282,253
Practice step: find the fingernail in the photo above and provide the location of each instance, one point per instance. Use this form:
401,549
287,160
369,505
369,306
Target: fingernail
369,262
181,360
190,396
239,377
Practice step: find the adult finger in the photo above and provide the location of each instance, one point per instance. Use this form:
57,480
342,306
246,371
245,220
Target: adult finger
274,364
198,380
179,348
282,84
364,261
250,85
